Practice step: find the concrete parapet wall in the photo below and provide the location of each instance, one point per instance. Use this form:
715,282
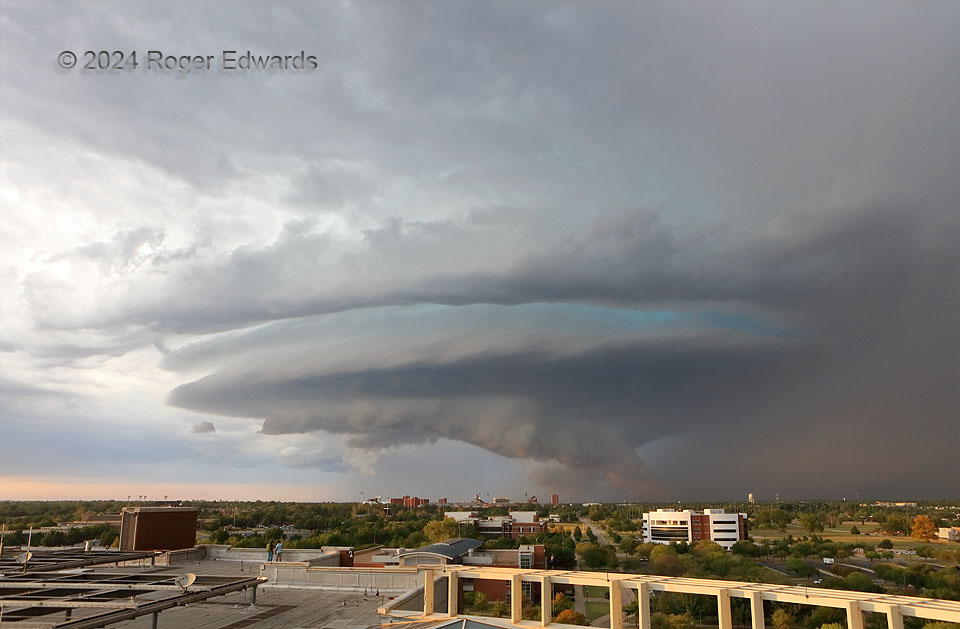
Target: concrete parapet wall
386,580
186,555
219,552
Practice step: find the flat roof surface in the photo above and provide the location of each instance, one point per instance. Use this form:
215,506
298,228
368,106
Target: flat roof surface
276,608
52,560
85,598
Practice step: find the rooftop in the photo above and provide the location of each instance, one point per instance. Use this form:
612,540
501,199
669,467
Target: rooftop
450,548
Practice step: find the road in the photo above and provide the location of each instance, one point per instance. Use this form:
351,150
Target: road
601,537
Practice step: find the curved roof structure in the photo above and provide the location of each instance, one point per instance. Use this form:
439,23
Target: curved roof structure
449,548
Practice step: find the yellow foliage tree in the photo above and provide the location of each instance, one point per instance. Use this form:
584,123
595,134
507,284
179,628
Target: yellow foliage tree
923,528
781,619
439,530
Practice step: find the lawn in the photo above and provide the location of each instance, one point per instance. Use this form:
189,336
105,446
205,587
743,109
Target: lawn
595,591
596,609
841,534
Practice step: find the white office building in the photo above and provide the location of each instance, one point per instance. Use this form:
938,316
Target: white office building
665,526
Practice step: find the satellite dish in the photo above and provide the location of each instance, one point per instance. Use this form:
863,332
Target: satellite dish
185,580
23,557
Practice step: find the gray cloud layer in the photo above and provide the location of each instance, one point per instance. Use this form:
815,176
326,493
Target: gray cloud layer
846,291
671,247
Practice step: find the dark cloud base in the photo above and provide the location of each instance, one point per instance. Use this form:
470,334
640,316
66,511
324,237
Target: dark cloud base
868,301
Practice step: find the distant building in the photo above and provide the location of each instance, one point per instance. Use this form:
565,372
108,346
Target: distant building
158,528
441,501
664,526
409,501
554,499
750,498
515,525
949,533
500,502
465,551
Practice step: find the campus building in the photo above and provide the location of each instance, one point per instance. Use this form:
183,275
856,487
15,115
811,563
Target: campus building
514,526
665,526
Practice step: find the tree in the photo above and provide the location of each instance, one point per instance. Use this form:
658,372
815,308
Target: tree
854,530
781,619
812,522
439,530
499,609
923,528
561,602
480,601
745,549
629,544
595,556
570,617
108,537
885,543
896,525
577,534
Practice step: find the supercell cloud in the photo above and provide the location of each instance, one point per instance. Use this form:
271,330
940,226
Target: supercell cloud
656,250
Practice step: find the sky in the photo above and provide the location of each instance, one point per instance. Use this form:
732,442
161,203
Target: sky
615,251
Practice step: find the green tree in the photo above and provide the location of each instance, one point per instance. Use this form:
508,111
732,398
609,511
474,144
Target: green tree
499,609
629,544
108,537
594,556
480,602
439,530
897,525
812,522
854,530
885,543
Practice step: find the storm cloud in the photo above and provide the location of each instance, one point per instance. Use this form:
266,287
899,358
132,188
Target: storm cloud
678,250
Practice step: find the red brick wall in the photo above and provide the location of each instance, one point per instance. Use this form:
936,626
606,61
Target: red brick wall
161,530
699,527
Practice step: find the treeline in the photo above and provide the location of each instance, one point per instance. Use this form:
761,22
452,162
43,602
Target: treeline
24,514
103,534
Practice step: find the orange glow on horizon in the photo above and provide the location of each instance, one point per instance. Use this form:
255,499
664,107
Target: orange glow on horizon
48,488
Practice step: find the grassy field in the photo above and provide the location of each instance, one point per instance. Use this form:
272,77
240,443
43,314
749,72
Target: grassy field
594,591
596,609
869,535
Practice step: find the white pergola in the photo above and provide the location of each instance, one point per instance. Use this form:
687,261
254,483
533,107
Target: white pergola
854,603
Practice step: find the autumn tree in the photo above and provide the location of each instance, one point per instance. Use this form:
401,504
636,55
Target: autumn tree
570,617
781,619
923,528
561,602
